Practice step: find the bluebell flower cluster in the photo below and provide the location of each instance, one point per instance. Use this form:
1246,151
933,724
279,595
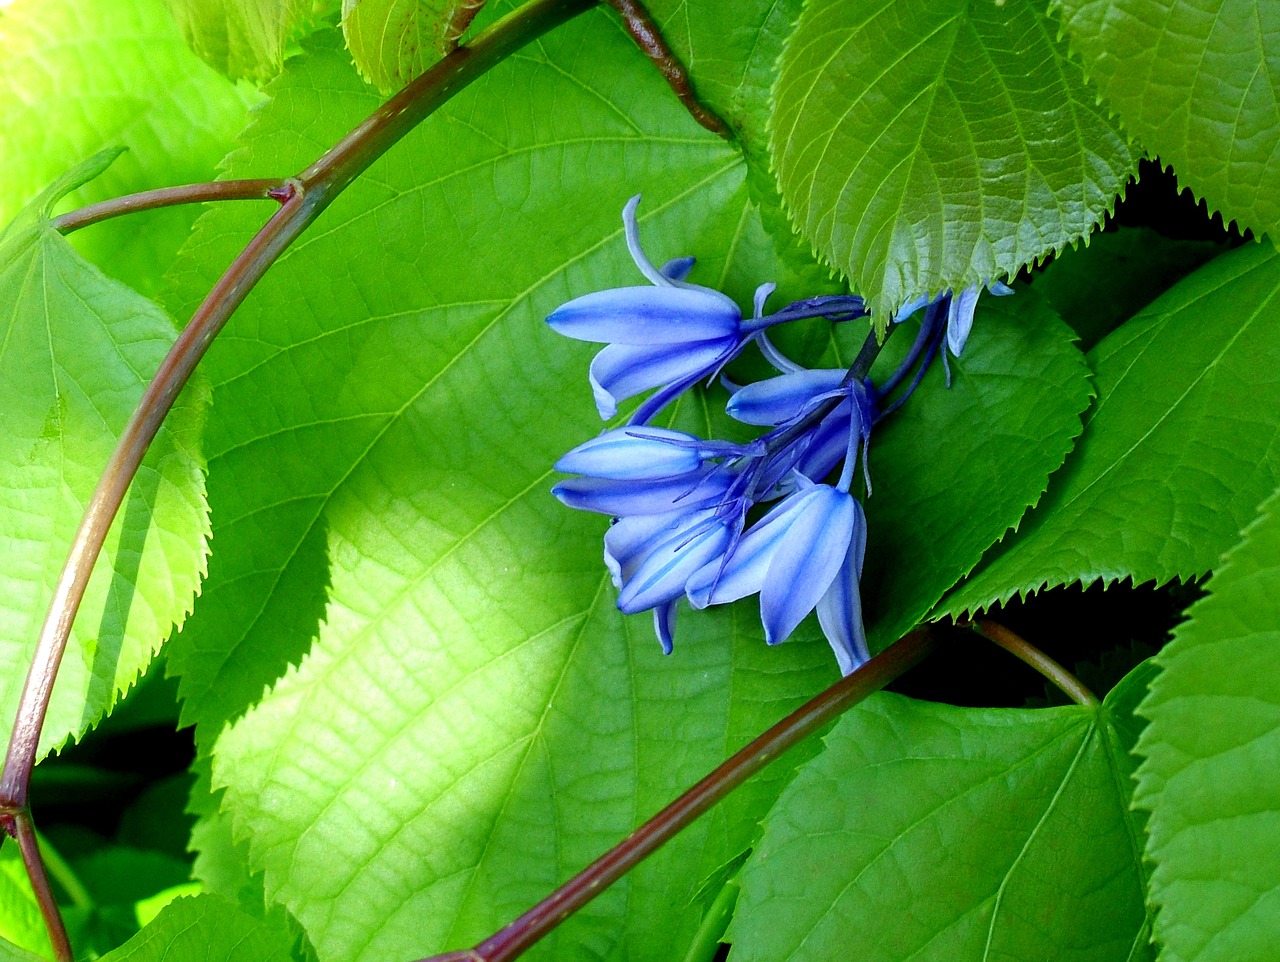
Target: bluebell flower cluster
686,526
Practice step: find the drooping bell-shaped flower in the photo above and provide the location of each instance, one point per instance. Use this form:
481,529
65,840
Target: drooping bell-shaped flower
960,308
791,398
667,335
806,553
646,470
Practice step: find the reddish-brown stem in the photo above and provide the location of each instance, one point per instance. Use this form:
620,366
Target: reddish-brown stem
165,197
518,936
302,199
1018,646
156,401
29,846
647,36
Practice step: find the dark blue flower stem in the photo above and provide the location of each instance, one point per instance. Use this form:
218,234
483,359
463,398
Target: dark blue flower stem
518,936
302,199
836,307
926,338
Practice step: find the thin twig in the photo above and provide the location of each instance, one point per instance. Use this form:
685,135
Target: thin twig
164,197
520,935
640,26
29,846
1018,646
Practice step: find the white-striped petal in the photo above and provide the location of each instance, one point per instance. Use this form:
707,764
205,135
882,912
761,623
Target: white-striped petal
665,569
655,496
840,609
806,561
624,455
743,573
647,315
960,318
620,371
779,399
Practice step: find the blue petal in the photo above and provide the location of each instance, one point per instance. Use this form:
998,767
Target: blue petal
743,573
624,455
828,443
629,540
678,268
620,371
648,315
664,625
656,496
960,318
779,399
911,307
807,561
664,571
840,610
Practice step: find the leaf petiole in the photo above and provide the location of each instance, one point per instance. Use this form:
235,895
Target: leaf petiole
261,189
1022,649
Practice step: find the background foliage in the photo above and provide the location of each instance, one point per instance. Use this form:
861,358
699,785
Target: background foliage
408,705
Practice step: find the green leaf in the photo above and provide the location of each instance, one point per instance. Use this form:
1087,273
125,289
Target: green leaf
380,465
264,597
207,929
730,52
392,41
78,350
1101,284
1209,750
924,145
1179,448
21,925
146,91
242,38
1196,82
955,468
14,953
927,831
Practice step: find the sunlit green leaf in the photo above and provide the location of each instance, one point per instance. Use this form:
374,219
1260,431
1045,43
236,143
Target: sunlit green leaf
242,38
731,52
924,145
927,831
1197,82
81,76
21,926
1179,448
392,41
206,929
1209,752
473,619
78,349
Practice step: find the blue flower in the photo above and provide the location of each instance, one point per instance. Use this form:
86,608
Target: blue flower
672,334
679,503
669,335
646,471
806,553
792,398
960,308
